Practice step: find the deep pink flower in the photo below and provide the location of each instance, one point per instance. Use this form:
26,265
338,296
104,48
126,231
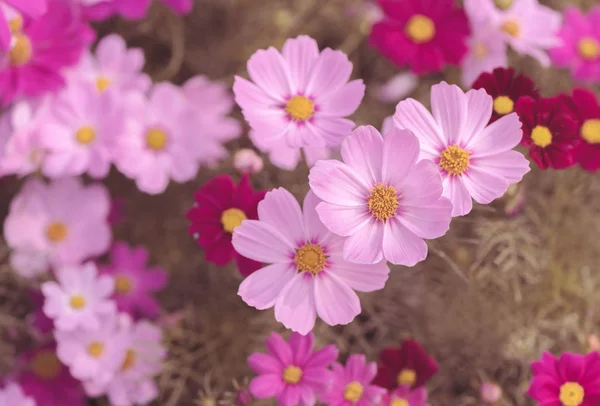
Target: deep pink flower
11,20
220,206
424,34
585,107
292,372
404,396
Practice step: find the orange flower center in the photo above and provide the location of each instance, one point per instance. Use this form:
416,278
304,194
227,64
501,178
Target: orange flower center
21,51
571,394
503,4
511,27
95,349
300,108
455,160
77,302
57,231
541,136
46,365
588,48
130,357
590,131
310,258
353,392
122,284
232,218
503,105
292,374
383,202
156,139
85,135
399,402
406,377
102,83
420,29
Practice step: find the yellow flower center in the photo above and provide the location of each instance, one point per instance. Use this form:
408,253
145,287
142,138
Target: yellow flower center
16,24
102,83
383,202
123,284
399,402
77,302
129,360
46,365
511,27
310,258
420,29
571,394
232,218
300,108
455,160
353,392
588,48
57,231
503,4
406,377
21,51
590,131
95,349
156,139
503,105
85,135
541,136
480,50
292,374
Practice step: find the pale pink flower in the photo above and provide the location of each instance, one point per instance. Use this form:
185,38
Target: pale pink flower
397,87
475,159
12,395
490,392
487,51
381,198
80,298
308,275
245,160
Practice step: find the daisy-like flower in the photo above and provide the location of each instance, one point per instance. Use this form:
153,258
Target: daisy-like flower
571,380
408,366
34,63
352,384
219,208
404,396
426,35
487,51
308,275
584,105
580,48
135,281
549,130
11,20
64,220
475,159
300,95
381,198
80,299
12,394
506,88
292,372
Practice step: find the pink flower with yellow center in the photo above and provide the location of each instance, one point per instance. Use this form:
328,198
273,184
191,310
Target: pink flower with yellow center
11,17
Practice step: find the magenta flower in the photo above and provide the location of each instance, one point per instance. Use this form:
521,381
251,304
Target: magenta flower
300,95
381,198
37,318
571,380
308,275
179,6
134,280
487,51
98,10
12,394
11,20
476,160
404,396
352,384
292,372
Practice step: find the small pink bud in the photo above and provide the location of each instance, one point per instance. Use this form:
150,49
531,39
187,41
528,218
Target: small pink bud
247,161
490,392
594,343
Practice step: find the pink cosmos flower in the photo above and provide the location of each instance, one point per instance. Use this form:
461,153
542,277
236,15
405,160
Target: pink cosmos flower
12,394
487,51
245,160
80,299
135,281
292,372
300,95
381,198
308,275
11,20
580,48
351,384
39,52
476,160
404,396
63,220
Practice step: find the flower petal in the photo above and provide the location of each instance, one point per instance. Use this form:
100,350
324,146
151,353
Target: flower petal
364,247
295,307
502,135
449,108
401,246
279,348
262,288
268,70
330,72
511,165
337,183
343,220
484,186
431,221
264,364
423,185
363,151
301,347
400,153
479,112
300,53
281,211
261,242
360,277
455,190
315,229
343,101
412,115
266,386
336,303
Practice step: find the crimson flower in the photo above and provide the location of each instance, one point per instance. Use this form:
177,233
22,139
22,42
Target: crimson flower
585,107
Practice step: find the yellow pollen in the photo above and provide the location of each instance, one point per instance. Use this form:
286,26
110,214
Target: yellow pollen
46,365
85,135
455,160
77,302
300,108
589,48
102,83
420,29
310,258
95,349
503,105
16,24
57,231
503,4
399,402
406,377
480,51
383,202
292,374
571,394
22,51
156,139
232,218
511,27
590,131
353,392
129,360
122,284
541,136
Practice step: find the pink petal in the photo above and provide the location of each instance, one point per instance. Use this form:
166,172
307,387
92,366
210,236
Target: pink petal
307,396
280,210
330,72
455,190
336,303
315,229
500,136
312,155
355,366
479,112
266,386
262,288
400,153
259,241
511,165
279,348
412,115
449,108
423,185
249,96
300,55
401,246
301,347
484,186
427,221
343,220
363,151
344,101
397,87
335,182
268,70
295,307
360,277
332,129
323,358
364,247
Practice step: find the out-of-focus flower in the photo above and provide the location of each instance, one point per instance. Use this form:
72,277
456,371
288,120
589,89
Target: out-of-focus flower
397,87
219,208
292,372
404,396
308,275
12,395
487,51
423,34
475,159
117,215
514,200
490,393
408,365
11,20
38,318
245,160
98,10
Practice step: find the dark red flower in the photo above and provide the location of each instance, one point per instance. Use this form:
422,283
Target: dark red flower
408,365
219,207
424,34
506,88
549,130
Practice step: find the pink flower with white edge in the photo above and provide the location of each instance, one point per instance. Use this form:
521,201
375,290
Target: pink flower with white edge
291,371
308,275
352,384
63,220
381,198
487,51
476,160
79,299
13,395
301,95
162,140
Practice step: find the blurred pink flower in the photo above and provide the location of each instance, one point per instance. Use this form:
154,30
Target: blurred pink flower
404,396
245,160
11,20
99,10
487,51
490,393
397,87
12,395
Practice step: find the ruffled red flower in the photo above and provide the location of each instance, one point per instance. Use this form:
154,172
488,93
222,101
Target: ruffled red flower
424,34
408,365
549,130
219,207
506,88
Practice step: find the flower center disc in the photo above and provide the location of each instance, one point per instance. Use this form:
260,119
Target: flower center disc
57,231
156,139
16,24
77,302
46,365
511,27
503,4
129,360
383,202
420,29
292,374
22,50
590,131
541,136
571,394
122,284
310,258
399,402
406,377
454,160
353,391
588,48
232,218
95,349
503,105
102,83
300,108
480,50
85,135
